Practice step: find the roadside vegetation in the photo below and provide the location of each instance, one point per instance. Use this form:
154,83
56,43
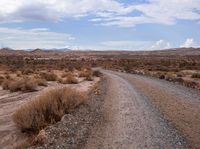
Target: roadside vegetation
196,75
23,84
48,108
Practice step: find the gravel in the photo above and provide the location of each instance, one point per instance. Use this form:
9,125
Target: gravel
131,121
74,128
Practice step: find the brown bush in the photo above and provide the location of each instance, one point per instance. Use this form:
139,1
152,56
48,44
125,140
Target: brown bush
65,75
89,78
85,73
70,79
24,84
49,76
1,80
196,75
18,74
47,108
7,76
5,84
41,82
97,73
27,71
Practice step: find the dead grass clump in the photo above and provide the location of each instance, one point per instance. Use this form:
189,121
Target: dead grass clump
24,85
85,73
68,80
7,76
5,84
71,79
19,74
196,75
49,76
97,73
1,79
89,78
65,74
41,82
27,71
47,108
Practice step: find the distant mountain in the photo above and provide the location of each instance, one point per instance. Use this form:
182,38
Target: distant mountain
9,51
49,50
178,51
61,49
65,52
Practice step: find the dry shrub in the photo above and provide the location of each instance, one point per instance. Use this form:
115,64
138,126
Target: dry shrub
97,73
196,75
162,76
1,79
85,73
19,74
5,84
70,79
47,108
49,76
89,78
41,82
65,75
23,145
7,76
27,71
24,85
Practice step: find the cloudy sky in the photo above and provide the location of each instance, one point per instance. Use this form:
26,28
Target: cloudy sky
100,24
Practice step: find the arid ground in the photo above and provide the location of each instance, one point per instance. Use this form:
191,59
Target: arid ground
134,99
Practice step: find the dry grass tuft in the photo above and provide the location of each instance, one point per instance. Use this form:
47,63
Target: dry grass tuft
89,78
97,73
1,79
24,85
196,75
49,76
27,71
87,74
47,108
70,79
41,82
5,84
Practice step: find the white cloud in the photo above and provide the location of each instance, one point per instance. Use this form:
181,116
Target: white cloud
103,12
131,45
56,10
160,44
189,43
155,11
125,45
33,38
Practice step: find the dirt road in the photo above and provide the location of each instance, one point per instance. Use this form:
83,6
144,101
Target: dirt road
143,112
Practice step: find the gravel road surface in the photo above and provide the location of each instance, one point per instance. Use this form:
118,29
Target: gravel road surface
144,112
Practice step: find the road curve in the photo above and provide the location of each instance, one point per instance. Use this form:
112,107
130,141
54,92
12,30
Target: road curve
137,114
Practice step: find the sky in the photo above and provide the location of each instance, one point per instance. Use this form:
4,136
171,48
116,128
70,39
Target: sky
100,24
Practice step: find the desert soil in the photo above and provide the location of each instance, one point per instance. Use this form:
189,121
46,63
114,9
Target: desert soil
9,102
144,112
129,111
